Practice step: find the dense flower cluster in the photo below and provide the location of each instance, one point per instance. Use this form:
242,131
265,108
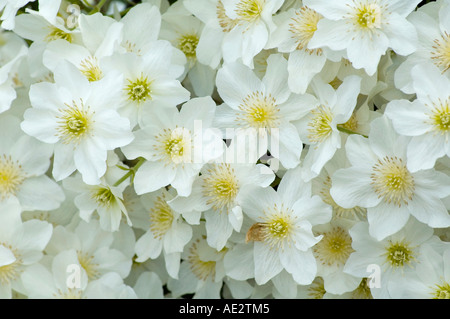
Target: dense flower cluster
225,149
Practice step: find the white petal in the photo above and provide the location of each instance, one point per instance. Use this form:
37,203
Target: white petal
6,256
267,263
302,265
151,176
40,193
386,219
352,187
148,247
234,82
239,263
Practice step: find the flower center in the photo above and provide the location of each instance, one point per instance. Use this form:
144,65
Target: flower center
351,124
103,196
220,186
319,127
175,146
277,228
317,289
334,248
87,263
74,123
399,254
440,117
56,34
13,270
441,52
442,291
161,217
90,69
249,10
259,111
392,181
303,26
139,90
202,269
11,176
188,44
367,16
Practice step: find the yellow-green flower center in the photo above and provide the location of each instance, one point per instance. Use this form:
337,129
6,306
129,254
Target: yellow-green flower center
440,53
392,181
220,186
319,127
75,122
11,176
139,90
399,254
161,217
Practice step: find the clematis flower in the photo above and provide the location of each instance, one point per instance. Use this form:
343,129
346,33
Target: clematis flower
365,29
80,120
379,180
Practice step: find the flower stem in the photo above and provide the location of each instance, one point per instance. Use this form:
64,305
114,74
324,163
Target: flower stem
131,172
346,130
98,7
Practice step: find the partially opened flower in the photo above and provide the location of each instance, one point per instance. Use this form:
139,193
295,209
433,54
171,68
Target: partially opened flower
325,117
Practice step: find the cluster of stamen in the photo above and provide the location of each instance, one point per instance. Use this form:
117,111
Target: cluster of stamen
220,186
392,181
303,26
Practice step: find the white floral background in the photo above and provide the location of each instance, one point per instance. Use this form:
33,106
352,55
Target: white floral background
225,149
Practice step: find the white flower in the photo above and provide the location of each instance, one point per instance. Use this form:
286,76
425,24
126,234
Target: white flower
433,30
215,193
332,253
175,146
149,81
364,28
282,234
183,31
426,119
165,231
91,248
264,108
80,119
21,245
380,181
397,255
55,282
106,198
292,36
431,279
240,28
324,118
23,164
